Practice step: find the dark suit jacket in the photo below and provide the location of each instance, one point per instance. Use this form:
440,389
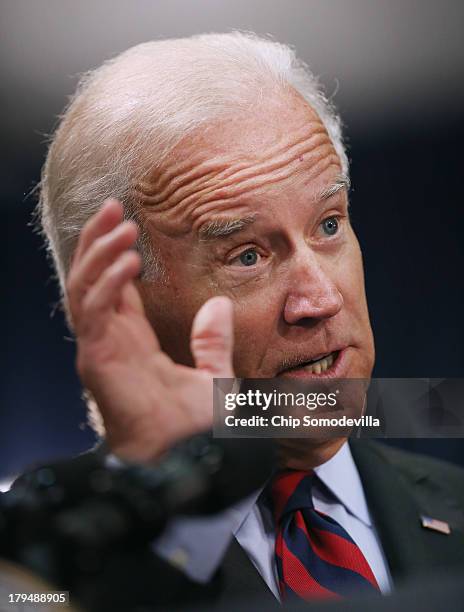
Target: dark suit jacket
400,488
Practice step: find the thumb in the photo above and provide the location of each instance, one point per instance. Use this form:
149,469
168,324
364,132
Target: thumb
212,337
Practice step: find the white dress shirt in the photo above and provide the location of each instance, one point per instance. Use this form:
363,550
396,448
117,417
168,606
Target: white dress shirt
196,545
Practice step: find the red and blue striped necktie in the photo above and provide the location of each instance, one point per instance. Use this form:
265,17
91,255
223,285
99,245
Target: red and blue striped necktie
316,558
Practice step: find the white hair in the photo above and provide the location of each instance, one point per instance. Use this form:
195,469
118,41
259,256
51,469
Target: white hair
129,113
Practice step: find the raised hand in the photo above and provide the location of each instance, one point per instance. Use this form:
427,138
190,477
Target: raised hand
147,401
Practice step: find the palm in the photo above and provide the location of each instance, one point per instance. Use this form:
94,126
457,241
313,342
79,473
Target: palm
146,400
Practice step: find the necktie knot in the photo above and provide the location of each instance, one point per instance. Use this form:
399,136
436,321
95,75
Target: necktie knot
290,491
315,556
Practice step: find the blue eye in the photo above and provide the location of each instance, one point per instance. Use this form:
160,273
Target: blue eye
249,257
330,226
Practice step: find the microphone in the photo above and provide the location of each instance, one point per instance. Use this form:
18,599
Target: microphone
94,505
86,525
202,475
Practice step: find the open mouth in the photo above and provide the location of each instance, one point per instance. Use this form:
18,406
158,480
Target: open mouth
322,364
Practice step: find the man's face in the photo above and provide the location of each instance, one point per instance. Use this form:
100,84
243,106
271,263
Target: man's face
254,208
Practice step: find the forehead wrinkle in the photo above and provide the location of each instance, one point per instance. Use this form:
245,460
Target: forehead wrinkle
173,172
169,188
188,174
198,205
255,176
202,201
235,203
194,211
249,187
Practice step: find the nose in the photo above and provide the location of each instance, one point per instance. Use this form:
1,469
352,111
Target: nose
312,295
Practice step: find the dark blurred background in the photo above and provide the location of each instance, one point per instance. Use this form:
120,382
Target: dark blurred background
397,70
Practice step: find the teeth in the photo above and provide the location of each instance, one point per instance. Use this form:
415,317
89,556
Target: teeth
320,366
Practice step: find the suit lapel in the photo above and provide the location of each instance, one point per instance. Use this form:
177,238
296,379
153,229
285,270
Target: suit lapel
393,502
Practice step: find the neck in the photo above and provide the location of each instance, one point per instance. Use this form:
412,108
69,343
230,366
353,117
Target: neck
299,454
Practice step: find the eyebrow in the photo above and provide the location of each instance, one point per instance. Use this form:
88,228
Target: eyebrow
220,228
342,181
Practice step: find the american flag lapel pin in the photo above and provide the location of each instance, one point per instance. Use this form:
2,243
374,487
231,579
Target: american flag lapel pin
435,525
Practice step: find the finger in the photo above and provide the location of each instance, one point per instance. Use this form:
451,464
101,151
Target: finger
108,217
212,337
100,255
105,295
131,300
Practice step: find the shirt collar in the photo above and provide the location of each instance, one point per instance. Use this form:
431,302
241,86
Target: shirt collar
240,511
340,475
179,542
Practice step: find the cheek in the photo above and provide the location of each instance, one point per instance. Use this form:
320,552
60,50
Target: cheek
255,317
252,317
351,285
171,319
171,306
350,278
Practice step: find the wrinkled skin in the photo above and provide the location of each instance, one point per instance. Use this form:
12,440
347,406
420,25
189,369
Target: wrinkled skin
301,294
306,294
